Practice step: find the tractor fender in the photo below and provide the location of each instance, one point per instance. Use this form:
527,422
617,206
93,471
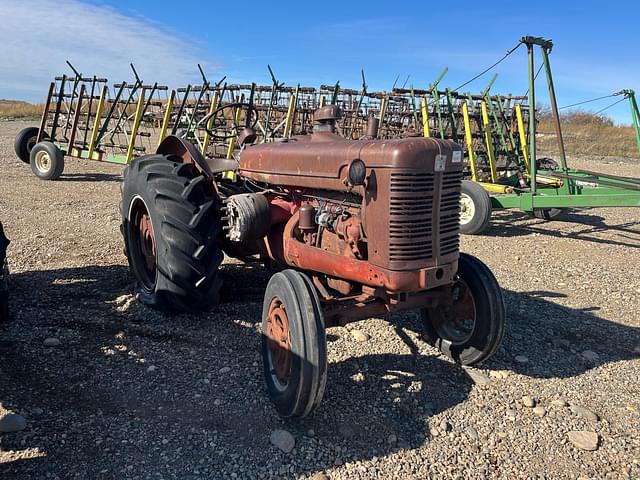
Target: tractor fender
187,151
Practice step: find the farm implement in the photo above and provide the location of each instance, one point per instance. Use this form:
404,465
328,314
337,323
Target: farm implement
84,118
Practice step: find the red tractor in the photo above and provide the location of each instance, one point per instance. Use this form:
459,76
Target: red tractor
361,227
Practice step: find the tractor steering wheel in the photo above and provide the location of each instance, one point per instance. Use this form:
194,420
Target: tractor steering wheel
223,120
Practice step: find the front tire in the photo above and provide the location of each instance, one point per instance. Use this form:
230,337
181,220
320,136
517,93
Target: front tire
475,208
47,161
294,345
170,227
470,331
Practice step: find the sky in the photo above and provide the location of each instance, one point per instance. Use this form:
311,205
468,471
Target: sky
595,44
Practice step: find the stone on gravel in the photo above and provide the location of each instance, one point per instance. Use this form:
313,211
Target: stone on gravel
392,439
151,368
559,402
472,432
540,411
528,401
283,440
346,430
12,422
51,342
359,336
499,374
584,439
478,377
511,414
445,426
521,359
584,413
590,356
224,370
37,411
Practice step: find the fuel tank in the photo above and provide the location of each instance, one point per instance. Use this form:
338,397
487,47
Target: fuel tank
321,160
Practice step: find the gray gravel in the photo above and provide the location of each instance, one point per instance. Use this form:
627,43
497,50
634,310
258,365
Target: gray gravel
129,393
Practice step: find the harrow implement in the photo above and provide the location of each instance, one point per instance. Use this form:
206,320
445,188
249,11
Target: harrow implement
85,118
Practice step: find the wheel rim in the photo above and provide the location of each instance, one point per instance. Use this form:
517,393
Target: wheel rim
457,322
467,208
43,161
142,244
279,344
31,143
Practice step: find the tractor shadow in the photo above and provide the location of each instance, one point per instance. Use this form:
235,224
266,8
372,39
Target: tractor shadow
511,223
128,385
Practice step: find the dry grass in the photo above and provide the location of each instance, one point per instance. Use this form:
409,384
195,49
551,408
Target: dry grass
587,134
20,109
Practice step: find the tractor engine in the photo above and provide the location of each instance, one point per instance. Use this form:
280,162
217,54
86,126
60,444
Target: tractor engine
366,218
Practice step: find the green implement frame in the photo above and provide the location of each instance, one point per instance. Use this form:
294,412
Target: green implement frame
563,187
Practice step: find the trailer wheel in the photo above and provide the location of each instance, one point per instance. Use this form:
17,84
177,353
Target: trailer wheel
170,227
475,208
294,345
25,141
47,161
550,213
469,331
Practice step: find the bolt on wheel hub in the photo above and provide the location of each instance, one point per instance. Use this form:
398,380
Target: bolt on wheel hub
279,342
43,161
467,208
460,318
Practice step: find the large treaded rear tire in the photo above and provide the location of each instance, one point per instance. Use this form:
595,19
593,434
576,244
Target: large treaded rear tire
175,258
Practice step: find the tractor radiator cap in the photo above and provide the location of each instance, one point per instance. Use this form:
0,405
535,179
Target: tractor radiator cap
329,113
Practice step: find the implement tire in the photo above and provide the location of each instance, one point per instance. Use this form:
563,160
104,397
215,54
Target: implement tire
25,141
170,227
475,208
47,161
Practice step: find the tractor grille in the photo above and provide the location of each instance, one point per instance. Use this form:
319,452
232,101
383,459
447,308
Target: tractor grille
410,216
450,212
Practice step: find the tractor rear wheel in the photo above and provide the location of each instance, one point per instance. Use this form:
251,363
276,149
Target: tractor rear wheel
294,345
170,226
475,208
470,330
25,141
47,161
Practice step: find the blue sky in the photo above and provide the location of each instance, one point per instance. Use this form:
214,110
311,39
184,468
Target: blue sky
595,51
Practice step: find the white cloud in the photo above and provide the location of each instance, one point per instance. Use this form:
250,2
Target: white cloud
38,36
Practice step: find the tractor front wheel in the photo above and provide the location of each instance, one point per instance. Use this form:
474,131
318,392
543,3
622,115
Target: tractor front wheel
475,208
294,345
470,330
170,227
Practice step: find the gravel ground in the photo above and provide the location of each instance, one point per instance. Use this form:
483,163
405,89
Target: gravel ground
111,389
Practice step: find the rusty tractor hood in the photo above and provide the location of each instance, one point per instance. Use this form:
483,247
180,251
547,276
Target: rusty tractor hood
321,160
